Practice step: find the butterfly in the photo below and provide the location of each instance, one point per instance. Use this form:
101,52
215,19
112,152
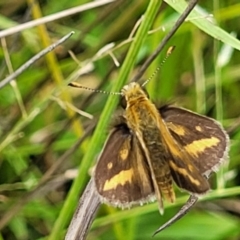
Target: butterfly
149,148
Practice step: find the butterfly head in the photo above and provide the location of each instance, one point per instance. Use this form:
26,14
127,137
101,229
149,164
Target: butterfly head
133,93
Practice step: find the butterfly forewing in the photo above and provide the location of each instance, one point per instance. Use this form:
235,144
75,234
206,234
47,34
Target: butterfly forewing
122,177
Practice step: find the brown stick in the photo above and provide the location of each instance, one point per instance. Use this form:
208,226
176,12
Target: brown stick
84,215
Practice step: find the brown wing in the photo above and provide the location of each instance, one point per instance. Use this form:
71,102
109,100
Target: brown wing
122,177
201,137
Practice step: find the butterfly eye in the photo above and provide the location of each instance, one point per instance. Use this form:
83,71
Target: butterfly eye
123,102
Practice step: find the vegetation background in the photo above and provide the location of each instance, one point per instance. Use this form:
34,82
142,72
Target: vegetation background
41,118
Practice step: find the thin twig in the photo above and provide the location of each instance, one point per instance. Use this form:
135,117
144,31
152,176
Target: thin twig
33,60
84,215
53,17
192,200
163,43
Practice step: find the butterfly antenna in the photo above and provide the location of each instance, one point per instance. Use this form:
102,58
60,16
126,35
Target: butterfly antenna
169,52
77,85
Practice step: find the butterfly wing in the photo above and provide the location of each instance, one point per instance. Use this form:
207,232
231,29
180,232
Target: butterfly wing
202,141
201,137
122,177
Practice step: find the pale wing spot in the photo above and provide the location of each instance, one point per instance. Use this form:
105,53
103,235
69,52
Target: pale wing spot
199,146
120,179
198,128
110,165
123,154
179,130
183,172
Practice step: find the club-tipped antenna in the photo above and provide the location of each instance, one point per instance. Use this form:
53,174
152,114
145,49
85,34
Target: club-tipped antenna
77,85
169,52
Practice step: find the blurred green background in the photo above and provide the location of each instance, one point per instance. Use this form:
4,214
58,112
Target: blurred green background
41,118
